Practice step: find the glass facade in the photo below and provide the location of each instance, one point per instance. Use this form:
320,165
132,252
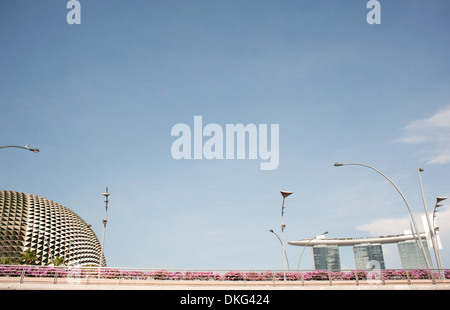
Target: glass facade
411,255
365,253
326,257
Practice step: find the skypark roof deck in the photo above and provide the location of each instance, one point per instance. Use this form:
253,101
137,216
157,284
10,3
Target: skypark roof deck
354,241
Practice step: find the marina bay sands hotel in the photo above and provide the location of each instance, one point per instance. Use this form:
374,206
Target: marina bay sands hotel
365,250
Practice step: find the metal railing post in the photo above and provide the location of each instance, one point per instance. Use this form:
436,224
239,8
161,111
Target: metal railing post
408,277
329,277
22,275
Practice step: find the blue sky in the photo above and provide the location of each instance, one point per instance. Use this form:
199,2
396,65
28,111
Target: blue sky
99,99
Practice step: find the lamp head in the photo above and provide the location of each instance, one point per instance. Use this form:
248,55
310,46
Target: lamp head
439,199
338,164
285,194
33,150
106,194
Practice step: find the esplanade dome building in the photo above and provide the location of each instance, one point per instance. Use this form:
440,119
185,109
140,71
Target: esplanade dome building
49,229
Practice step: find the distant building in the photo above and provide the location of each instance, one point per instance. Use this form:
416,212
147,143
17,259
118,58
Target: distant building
326,257
30,222
412,256
365,254
326,251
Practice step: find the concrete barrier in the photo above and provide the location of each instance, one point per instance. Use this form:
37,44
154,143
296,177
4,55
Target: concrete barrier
30,283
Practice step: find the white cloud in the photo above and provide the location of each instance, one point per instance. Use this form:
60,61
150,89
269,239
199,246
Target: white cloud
434,131
386,226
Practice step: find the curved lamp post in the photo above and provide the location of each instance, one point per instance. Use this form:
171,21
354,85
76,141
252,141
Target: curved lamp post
301,254
287,261
21,147
416,231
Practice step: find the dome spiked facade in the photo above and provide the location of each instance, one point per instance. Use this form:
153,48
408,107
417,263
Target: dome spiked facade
49,229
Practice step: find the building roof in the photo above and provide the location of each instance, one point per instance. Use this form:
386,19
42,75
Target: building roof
49,229
354,241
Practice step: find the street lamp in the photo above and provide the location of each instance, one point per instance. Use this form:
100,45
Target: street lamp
311,239
281,245
430,228
26,147
284,194
104,226
435,229
437,205
409,210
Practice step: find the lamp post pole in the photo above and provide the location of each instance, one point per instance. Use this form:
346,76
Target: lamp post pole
104,226
21,147
416,231
287,260
430,228
284,194
435,229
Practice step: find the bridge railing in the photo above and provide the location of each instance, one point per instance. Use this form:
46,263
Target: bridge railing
120,275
